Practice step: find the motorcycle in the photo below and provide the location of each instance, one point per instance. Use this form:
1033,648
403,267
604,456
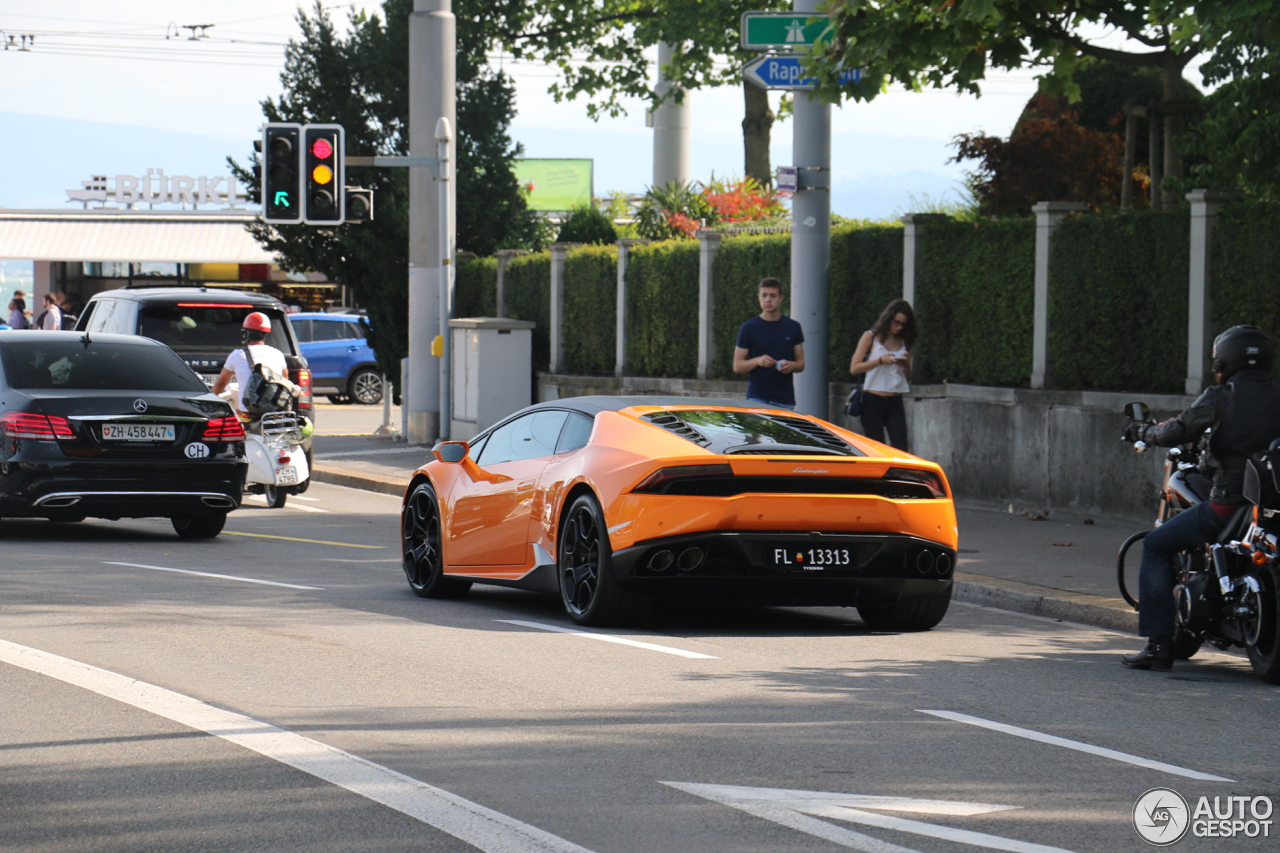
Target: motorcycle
277,462
1228,592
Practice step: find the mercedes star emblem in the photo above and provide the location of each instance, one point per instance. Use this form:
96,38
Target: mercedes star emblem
139,406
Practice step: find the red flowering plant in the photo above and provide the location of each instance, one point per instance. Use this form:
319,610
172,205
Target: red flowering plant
679,210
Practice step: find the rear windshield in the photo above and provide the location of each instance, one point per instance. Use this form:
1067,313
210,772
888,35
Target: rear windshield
74,366
192,329
749,432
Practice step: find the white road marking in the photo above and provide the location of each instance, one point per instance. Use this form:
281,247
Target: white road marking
302,498
1030,734
653,647
263,500
341,454
209,575
484,828
799,810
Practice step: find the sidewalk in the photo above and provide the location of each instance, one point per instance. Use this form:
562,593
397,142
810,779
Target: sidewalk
1059,567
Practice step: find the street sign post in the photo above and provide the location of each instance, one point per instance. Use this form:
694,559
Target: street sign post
781,30
786,72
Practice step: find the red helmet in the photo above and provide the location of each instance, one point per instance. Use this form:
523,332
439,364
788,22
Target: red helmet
258,322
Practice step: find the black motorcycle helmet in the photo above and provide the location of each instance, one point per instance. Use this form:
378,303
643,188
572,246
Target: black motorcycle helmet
1242,347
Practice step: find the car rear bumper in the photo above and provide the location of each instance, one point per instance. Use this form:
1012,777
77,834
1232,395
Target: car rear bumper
876,568
42,492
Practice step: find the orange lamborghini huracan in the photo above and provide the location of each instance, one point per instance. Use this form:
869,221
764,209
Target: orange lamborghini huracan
612,502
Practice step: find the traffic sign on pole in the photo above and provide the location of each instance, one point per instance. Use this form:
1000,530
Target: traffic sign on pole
788,179
786,72
781,30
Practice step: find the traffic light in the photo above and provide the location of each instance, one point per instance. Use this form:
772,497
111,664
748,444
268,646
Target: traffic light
323,174
359,204
282,173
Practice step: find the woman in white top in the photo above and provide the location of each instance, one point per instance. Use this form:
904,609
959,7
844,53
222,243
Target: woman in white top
884,355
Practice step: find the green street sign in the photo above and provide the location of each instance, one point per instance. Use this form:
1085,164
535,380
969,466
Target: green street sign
781,30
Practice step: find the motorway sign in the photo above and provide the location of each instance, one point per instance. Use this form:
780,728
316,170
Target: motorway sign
786,72
781,30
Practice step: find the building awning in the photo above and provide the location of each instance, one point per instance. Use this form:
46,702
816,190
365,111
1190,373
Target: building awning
126,235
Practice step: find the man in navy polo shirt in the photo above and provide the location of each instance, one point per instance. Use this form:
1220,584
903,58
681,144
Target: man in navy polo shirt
770,349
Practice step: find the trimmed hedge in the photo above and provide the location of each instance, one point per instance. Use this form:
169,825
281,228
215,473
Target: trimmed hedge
662,309
1118,301
735,282
1246,267
590,310
866,275
476,288
527,290
975,299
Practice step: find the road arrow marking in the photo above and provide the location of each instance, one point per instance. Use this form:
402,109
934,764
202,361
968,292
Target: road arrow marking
799,810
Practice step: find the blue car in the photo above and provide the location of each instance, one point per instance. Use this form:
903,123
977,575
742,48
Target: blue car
343,366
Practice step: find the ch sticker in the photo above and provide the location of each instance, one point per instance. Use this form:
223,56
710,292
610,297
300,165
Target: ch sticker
197,450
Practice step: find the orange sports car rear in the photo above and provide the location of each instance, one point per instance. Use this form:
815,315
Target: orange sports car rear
613,502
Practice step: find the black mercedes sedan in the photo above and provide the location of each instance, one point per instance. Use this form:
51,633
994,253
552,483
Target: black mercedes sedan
114,426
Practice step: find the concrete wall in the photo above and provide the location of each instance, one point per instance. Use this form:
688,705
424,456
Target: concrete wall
1032,450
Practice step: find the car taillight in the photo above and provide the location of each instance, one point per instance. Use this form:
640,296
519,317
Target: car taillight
302,378
43,427
930,479
658,481
224,429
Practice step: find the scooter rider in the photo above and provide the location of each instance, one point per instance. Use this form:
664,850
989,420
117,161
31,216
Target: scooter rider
253,333
1243,410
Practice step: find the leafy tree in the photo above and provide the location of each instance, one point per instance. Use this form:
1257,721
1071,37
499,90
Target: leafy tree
586,224
921,43
599,47
1050,156
361,80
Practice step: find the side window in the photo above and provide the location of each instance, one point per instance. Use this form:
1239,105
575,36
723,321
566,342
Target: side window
302,328
353,331
525,438
327,330
575,435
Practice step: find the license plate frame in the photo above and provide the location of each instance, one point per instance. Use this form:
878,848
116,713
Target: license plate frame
806,557
153,433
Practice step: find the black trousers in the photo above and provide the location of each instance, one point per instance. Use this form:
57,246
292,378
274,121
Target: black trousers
885,413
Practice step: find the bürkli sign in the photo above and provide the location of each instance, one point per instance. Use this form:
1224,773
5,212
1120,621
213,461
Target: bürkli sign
155,187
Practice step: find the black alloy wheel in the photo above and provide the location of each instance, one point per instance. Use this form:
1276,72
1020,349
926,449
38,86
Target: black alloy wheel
204,526
420,545
275,495
588,589
366,387
1261,627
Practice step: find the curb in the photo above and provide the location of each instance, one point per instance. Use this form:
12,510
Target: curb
1098,611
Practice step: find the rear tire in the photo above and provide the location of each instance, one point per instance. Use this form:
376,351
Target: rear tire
275,495
1262,629
588,589
908,614
199,526
365,387
420,539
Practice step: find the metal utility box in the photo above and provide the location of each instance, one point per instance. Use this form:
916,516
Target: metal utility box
492,372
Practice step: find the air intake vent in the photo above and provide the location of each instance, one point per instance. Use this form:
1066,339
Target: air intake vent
672,423
812,430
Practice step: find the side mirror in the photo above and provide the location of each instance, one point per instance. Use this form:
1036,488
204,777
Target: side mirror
1138,412
452,451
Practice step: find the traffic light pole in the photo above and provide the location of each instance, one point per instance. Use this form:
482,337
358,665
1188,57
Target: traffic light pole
811,240
432,86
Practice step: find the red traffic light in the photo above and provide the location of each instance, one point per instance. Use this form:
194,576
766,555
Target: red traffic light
322,149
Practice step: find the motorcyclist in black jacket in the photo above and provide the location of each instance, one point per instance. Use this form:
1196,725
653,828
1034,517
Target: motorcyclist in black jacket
1243,410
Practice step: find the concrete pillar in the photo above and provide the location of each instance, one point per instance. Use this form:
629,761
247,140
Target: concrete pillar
913,227
671,130
1048,215
559,257
504,258
620,364
708,245
1204,212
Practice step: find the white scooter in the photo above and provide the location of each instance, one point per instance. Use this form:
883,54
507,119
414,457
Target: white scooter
277,462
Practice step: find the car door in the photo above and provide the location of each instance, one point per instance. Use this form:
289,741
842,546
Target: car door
489,521
328,353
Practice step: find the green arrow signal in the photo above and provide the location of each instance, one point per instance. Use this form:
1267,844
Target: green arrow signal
282,199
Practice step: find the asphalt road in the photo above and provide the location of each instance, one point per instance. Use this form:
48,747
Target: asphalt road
280,688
